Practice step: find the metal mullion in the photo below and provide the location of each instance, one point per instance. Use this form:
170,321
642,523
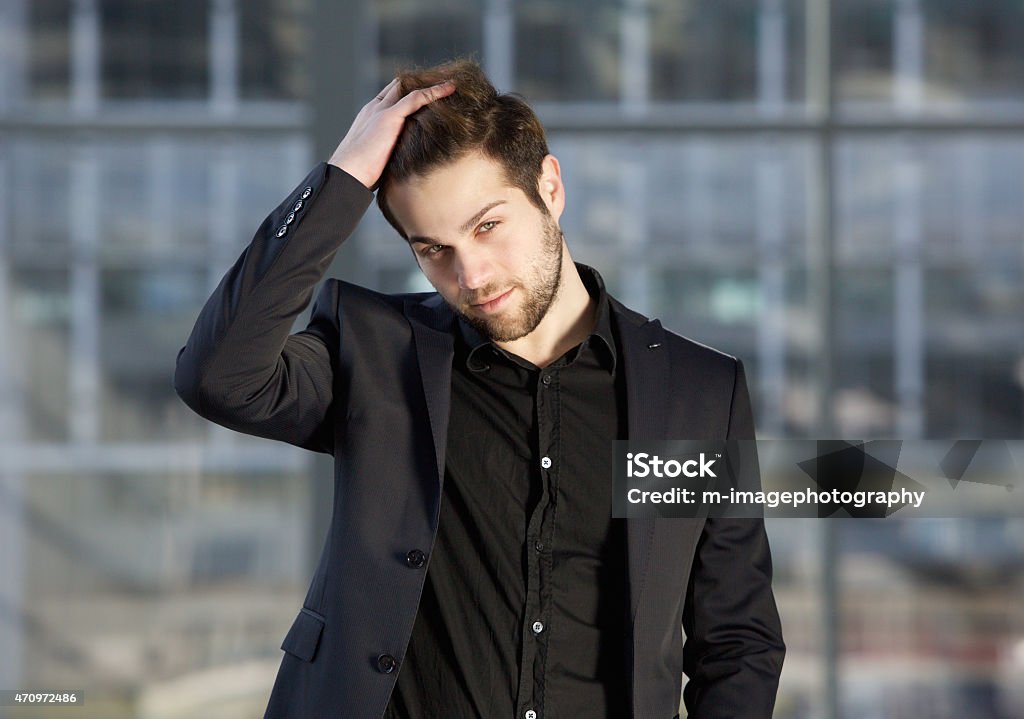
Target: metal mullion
86,39
769,171
821,89
224,34
499,43
14,31
83,341
14,529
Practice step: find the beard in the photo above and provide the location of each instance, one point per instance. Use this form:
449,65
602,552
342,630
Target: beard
538,290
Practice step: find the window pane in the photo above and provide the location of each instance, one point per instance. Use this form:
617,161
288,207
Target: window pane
164,574
49,49
727,51
931,286
145,316
412,33
796,547
974,51
863,49
155,198
272,45
559,58
925,606
41,200
39,347
155,49
930,54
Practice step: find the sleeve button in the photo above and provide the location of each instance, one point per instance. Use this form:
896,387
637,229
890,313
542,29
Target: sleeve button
282,230
307,192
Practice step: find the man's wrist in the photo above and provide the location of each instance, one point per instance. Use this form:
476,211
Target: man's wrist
351,172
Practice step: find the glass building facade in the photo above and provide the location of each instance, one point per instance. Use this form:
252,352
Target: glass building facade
832,190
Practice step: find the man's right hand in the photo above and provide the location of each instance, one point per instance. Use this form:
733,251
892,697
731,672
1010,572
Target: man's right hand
366,147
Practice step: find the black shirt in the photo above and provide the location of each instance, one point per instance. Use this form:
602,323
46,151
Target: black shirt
525,603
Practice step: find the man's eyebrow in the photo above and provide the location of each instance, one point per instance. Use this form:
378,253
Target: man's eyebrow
465,227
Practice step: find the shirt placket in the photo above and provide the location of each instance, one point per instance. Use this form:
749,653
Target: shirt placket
540,532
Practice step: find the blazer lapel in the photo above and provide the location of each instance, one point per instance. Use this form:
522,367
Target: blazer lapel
645,363
432,331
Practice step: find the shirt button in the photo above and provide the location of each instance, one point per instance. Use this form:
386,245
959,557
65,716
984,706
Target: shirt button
531,714
546,379
538,627
415,558
545,462
386,663
539,546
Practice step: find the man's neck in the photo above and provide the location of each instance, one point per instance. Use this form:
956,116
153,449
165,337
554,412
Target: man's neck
570,319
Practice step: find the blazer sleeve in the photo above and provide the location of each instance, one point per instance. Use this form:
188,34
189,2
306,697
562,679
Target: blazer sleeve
240,366
734,650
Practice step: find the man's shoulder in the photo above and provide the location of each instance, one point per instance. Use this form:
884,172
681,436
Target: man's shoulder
682,349
396,300
358,302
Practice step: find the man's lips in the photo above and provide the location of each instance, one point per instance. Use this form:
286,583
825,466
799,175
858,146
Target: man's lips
493,303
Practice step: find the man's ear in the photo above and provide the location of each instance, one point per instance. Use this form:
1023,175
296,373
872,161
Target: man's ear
550,186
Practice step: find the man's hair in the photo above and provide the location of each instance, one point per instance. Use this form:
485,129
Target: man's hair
473,118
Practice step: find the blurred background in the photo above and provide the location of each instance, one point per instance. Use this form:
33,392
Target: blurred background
832,190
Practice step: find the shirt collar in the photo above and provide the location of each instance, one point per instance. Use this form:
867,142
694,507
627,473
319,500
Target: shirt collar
476,344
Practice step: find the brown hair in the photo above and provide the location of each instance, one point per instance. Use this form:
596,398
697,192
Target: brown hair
475,117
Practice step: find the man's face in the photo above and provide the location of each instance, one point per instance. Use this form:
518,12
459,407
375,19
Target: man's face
499,269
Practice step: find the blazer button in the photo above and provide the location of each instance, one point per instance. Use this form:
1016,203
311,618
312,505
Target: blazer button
386,663
307,192
415,559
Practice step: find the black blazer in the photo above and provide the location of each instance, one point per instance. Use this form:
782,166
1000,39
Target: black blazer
368,381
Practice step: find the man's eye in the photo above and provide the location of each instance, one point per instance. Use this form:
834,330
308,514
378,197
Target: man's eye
433,249
490,222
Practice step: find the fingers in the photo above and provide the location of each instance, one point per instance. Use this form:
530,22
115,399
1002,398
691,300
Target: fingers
388,97
382,95
418,98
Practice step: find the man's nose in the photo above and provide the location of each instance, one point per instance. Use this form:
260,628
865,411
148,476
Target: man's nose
474,270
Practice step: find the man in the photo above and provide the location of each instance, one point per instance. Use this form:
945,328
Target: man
472,566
